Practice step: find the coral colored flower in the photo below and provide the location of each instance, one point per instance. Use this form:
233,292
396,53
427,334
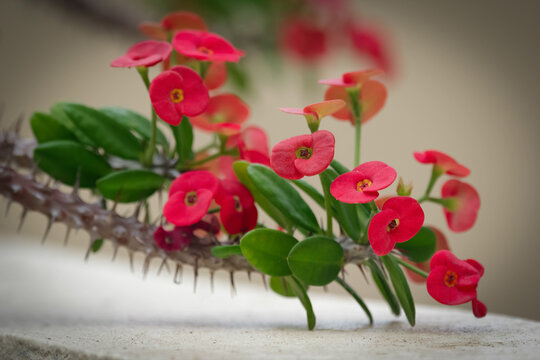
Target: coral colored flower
464,203
442,162
224,114
176,239
400,219
370,42
303,40
179,20
315,112
145,53
352,79
205,46
303,155
441,244
361,185
238,212
222,167
215,75
452,281
190,196
178,92
252,143
372,97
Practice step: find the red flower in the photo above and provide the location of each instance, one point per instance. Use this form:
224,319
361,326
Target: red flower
205,46
463,204
369,42
315,112
442,163
145,53
180,20
372,97
224,114
452,281
252,143
303,40
441,244
361,185
190,196
238,212
178,92
400,219
215,75
303,155
176,239
351,79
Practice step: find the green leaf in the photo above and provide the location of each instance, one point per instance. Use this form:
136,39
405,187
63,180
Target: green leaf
136,122
57,112
310,191
183,135
345,214
46,128
284,197
62,159
300,292
279,285
316,260
341,169
106,133
401,287
267,250
96,245
384,287
356,297
129,185
421,247
226,251
237,76
240,169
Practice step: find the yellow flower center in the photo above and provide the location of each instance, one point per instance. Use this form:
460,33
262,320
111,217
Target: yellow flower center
392,225
363,184
191,198
177,95
450,278
205,50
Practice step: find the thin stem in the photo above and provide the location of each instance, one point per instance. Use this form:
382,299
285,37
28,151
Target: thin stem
149,153
207,159
213,211
358,134
435,174
356,110
328,206
410,266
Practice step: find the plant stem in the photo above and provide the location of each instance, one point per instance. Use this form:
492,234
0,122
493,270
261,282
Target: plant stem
207,159
356,110
410,266
328,206
435,174
149,153
213,211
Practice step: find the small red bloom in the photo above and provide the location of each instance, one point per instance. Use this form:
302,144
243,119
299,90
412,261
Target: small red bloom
400,219
464,204
441,244
370,42
145,53
238,212
179,20
178,92
303,40
252,143
442,162
190,196
315,112
452,281
372,97
361,185
351,79
304,155
205,46
176,239
224,115
216,75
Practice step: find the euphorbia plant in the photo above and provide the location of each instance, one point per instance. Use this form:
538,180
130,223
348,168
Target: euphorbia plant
216,192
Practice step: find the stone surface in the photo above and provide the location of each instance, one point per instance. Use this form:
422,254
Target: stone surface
54,306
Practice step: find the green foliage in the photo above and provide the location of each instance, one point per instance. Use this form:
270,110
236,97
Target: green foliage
421,247
58,113
63,159
401,287
383,286
96,245
279,285
300,292
129,185
267,250
46,128
183,135
316,260
310,191
226,251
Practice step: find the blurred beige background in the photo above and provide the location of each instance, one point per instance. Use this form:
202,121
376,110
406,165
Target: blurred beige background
468,84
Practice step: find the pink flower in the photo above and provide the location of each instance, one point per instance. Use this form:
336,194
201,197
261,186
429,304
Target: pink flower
361,185
238,212
205,46
463,204
304,155
178,92
352,79
441,244
372,97
315,112
369,42
303,40
190,196
252,143
145,53
225,114
400,219
442,162
215,75
179,20
452,281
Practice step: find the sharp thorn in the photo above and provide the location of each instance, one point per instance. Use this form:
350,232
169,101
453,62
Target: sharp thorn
137,210
264,281
49,225
131,267
89,250
115,249
146,265
363,273
233,287
177,279
23,217
195,274
8,206
49,181
343,273
249,275
212,281
66,238
162,265
115,204
18,124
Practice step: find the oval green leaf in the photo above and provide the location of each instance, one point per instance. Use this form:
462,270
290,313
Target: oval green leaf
284,197
316,260
183,136
46,128
401,287
279,285
63,159
57,112
226,251
421,247
267,250
105,132
129,185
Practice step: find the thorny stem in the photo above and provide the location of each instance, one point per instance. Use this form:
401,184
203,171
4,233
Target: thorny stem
149,153
328,206
410,266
